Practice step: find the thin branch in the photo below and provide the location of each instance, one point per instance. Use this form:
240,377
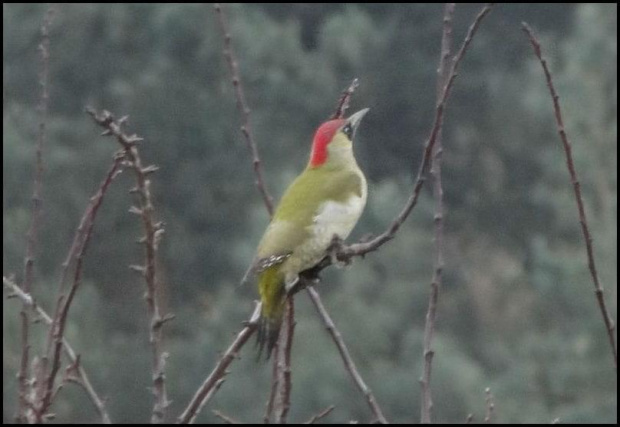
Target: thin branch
153,232
32,235
429,327
609,323
69,351
244,110
343,102
275,380
58,323
209,386
346,356
320,415
282,401
346,252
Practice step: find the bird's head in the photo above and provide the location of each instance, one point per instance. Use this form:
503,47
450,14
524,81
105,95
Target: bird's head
334,138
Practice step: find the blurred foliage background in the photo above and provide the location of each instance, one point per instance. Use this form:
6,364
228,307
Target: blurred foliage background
517,311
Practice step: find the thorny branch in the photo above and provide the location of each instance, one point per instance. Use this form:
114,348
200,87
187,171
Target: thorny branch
244,110
275,379
429,327
215,378
345,98
153,233
282,395
31,241
609,323
82,377
56,331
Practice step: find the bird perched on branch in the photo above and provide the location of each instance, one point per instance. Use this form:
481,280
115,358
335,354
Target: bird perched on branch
324,202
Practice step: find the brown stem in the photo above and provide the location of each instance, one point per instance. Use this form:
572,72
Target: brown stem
429,327
32,235
209,386
346,356
275,380
598,289
59,321
153,233
69,351
282,401
343,102
244,110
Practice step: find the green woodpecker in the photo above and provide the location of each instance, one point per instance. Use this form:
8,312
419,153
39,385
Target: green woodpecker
327,199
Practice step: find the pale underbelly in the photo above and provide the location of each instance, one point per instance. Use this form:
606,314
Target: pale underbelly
334,219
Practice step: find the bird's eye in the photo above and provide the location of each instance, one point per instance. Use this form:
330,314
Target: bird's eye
348,130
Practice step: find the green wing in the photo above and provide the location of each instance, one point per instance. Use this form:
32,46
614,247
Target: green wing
300,204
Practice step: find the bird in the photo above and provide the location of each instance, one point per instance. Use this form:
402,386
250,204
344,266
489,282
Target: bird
323,203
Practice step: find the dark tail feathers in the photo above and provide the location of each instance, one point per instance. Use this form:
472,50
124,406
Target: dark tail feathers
268,333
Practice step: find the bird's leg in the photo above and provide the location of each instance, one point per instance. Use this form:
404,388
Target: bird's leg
334,248
306,278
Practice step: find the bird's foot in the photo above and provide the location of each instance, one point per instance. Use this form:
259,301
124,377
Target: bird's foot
335,247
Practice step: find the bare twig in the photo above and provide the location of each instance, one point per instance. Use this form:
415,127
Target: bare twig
153,232
282,400
207,389
490,406
244,110
275,380
77,251
609,323
32,235
69,351
343,102
429,327
320,415
346,357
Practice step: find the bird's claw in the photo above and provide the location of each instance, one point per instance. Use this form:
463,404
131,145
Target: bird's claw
334,248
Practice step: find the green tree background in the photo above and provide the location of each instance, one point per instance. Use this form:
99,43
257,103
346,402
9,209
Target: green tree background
517,311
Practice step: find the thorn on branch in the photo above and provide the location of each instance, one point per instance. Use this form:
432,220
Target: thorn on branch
150,169
160,322
136,210
123,120
343,102
140,269
134,139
